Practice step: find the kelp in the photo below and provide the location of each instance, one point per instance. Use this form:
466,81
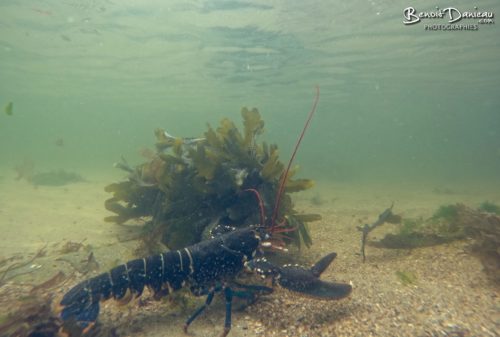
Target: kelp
192,184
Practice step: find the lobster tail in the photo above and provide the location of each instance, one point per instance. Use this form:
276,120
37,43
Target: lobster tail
162,273
79,307
81,304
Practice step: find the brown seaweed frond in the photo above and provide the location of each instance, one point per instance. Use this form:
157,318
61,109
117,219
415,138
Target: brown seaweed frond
253,125
204,162
272,168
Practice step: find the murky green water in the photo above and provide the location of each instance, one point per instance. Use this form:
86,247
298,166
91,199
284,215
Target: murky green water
397,101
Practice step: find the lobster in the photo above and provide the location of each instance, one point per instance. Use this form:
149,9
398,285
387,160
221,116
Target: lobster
208,267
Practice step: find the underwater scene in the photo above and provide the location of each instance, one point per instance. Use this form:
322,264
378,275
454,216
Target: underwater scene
249,168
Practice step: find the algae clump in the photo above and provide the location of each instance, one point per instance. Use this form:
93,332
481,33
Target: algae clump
446,212
406,277
489,207
190,185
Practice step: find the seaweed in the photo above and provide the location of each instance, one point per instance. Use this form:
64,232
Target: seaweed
385,216
446,212
409,226
29,316
406,277
5,274
450,223
490,207
442,227
411,234
189,185
484,230
34,314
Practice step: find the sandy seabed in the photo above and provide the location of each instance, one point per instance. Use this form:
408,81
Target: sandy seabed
451,295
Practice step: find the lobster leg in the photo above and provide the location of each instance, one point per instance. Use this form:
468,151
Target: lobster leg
198,311
249,293
228,294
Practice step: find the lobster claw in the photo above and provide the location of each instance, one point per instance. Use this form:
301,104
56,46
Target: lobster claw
304,281
307,282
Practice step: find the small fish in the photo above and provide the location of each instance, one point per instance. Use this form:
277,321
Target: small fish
59,142
8,109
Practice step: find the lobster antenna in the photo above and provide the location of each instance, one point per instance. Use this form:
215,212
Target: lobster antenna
285,174
261,204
